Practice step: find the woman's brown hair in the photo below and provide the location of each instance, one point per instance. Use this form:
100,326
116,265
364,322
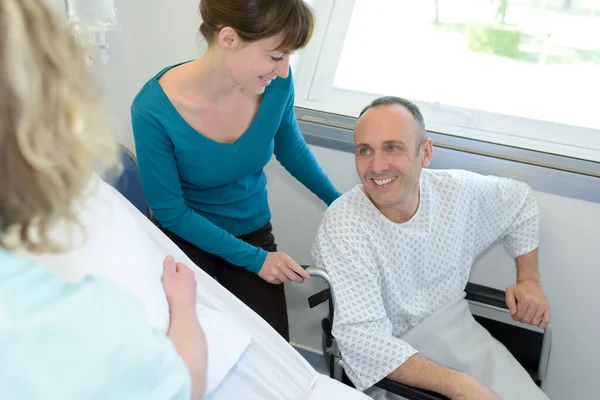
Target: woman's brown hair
259,19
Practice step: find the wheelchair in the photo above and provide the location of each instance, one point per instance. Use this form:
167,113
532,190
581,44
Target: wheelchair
530,345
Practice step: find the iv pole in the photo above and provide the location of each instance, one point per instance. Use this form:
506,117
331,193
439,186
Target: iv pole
91,19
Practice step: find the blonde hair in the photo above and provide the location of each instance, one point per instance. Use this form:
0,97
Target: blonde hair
52,129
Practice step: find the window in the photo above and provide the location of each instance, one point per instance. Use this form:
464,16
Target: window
522,73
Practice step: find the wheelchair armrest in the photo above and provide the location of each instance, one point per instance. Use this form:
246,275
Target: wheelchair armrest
486,295
409,392
489,308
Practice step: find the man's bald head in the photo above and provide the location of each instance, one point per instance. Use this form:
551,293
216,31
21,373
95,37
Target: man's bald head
409,106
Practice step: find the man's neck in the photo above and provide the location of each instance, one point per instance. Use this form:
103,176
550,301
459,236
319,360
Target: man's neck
404,211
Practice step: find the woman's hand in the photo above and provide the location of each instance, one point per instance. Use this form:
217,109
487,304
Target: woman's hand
184,329
179,284
280,268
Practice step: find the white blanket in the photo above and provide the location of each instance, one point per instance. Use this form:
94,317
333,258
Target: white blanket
452,337
123,245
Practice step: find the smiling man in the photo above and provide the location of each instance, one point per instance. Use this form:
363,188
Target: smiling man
399,249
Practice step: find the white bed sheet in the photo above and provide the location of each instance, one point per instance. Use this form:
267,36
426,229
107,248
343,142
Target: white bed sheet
269,369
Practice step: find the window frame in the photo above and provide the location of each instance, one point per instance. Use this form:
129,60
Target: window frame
316,66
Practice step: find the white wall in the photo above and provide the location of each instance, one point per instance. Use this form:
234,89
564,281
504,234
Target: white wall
157,33
153,35
569,262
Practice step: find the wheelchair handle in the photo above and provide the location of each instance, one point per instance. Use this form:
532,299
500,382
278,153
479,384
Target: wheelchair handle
321,273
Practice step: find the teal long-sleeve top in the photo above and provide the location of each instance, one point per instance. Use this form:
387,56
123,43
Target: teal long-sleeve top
208,192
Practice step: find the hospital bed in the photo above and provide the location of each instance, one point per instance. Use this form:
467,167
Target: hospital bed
530,345
268,369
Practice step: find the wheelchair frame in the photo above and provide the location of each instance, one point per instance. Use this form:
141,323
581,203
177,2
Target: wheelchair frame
489,309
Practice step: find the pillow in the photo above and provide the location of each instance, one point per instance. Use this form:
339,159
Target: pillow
115,246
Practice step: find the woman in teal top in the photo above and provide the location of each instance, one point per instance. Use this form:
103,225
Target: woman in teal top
205,129
59,340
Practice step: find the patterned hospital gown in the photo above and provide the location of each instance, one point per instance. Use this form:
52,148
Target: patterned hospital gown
388,276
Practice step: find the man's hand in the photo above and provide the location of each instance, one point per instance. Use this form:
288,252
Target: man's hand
527,303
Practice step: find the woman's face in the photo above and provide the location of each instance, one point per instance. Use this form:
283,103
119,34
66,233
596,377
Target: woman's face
254,65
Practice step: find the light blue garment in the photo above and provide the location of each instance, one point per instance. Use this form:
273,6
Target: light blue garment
88,340
208,192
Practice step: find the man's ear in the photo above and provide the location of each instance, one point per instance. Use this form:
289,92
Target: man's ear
228,39
426,153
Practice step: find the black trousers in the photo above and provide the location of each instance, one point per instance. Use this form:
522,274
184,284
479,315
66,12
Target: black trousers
266,299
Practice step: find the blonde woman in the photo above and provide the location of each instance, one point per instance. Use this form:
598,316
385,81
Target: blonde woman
62,340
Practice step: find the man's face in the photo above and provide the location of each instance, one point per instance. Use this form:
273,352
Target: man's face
389,155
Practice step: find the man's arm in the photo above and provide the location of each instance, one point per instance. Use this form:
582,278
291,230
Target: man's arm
502,209
418,371
361,325
527,267
526,300
507,210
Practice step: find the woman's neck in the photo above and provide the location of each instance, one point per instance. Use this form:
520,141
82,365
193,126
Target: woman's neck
207,77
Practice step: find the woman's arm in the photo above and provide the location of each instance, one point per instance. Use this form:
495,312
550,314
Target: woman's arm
162,188
293,153
184,329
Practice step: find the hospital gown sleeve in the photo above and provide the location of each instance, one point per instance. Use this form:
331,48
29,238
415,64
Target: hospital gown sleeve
84,341
506,210
361,326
